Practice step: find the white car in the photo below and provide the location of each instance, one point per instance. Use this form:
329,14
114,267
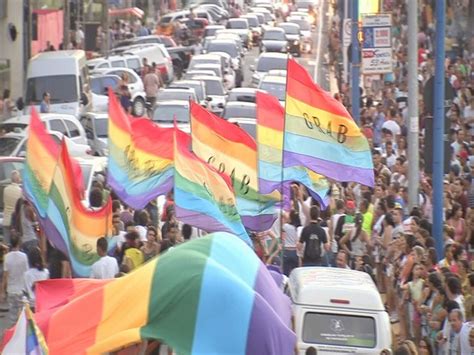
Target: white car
167,111
215,90
275,86
266,62
65,124
135,86
218,58
14,144
96,126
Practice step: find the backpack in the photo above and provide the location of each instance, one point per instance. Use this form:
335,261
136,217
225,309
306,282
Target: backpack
313,247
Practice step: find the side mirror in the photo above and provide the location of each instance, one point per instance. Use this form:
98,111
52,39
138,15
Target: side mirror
208,98
220,105
252,68
106,92
89,135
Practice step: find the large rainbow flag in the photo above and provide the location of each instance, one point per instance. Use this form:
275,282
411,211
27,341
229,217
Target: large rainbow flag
140,157
211,295
42,153
320,134
203,197
232,151
69,225
271,174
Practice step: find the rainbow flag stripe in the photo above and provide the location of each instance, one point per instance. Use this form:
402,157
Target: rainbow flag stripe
232,151
220,300
270,126
204,198
42,153
140,157
71,227
320,134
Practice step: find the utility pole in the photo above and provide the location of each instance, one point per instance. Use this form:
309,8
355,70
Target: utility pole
355,68
413,139
438,129
66,24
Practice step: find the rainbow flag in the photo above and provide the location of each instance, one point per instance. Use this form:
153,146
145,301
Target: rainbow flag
140,157
320,134
69,225
203,197
270,126
42,153
221,299
232,151
27,337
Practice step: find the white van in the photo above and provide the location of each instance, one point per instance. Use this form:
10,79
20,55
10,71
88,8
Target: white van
61,73
338,311
116,61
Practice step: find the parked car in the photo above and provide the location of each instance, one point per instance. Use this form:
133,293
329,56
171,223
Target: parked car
135,86
305,31
266,62
116,61
215,90
241,27
274,85
96,126
177,94
199,89
274,40
67,125
236,109
243,95
13,144
292,32
99,87
167,111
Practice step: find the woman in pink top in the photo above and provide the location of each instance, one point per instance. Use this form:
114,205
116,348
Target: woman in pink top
458,223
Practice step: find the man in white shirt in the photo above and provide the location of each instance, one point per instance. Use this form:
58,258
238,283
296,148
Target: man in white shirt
11,194
14,268
106,267
459,337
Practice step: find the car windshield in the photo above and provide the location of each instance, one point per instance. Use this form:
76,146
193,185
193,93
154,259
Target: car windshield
198,61
166,95
304,4
275,89
244,97
8,145
240,111
229,48
102,127
197,86
266,64
268,16
13,126
304,25
253,22
238,25
274,36
214,87
63,89
166,113
290,30
339,329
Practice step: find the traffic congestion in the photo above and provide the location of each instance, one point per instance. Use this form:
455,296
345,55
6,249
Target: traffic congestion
139,167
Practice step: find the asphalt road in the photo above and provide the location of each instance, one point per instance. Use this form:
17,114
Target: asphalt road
315,62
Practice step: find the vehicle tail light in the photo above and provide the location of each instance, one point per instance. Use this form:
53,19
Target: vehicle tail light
338,301
162,69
